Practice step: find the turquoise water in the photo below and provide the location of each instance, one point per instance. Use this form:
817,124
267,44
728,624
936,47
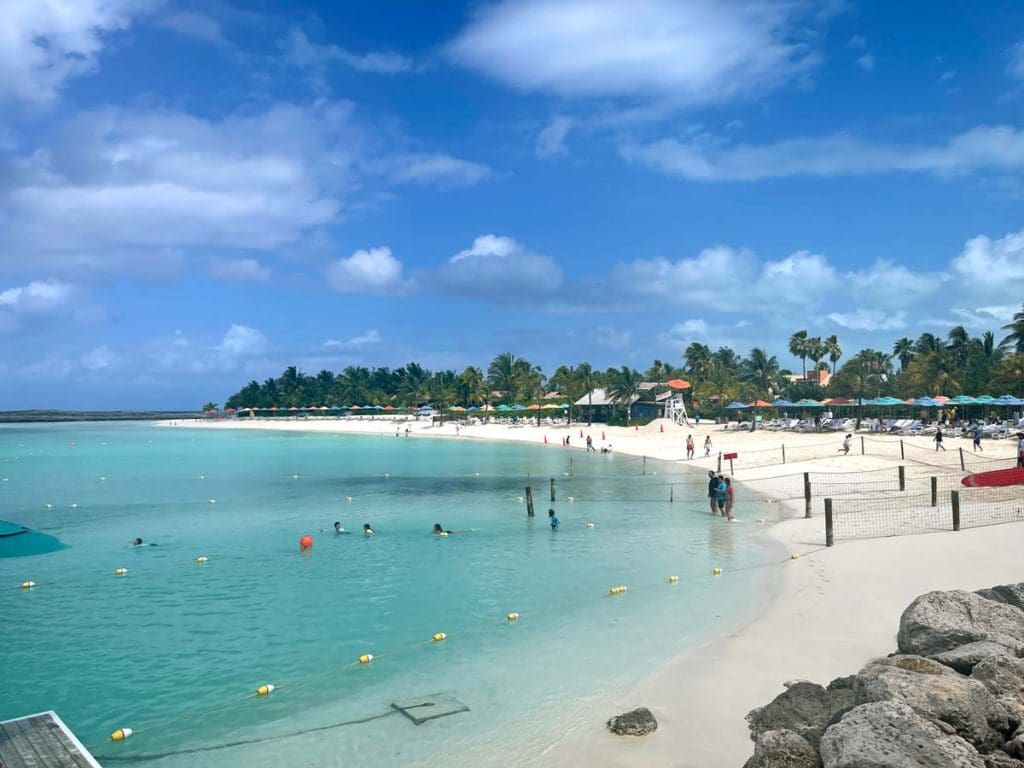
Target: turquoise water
173,649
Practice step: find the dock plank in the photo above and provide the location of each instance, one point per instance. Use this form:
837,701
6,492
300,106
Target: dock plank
10,757
41,741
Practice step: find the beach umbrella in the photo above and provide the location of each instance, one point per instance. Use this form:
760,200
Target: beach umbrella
889,400
926,402
941,399
473,408
1009,400
678,383
504,408
783,403
518,407
807,403
736,405
294,408
456,408
548,406
838,401
963,400
389,407
760,404
534,407
487,407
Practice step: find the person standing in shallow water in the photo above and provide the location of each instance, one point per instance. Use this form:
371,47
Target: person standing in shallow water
713,492
730,498
553,520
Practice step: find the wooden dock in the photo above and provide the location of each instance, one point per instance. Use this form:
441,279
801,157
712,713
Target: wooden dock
41,741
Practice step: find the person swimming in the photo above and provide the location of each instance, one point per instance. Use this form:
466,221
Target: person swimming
553,520
439,529
367,529
137,542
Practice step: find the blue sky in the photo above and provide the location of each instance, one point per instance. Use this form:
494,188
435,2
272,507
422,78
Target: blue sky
193,195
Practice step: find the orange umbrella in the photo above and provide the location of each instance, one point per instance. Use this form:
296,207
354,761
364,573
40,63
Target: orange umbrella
760,404
678,384
534,407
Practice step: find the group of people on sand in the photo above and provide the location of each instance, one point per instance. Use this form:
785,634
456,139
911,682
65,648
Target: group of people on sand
690,449
721,495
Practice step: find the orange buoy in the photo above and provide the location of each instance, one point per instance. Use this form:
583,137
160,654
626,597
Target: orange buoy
306,542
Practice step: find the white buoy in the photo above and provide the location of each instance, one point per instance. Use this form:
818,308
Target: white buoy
73,506
211,501
49,506
202,477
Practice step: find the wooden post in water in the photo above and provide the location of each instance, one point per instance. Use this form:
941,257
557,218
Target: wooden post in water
903,477
672,493
935,491
570,467
902,456
783,453
719,462
954,497
645,466
807,494
552,489
829,532
529,501
862,445
962,467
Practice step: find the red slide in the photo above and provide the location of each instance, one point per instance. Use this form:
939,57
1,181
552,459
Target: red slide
995,478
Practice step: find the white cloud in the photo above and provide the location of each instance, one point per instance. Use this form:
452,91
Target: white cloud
300,51
242,341
239,271
194,24
612,338
681,334
992,268
889,285
368,271
704,279
372,336
99,359
497,267
551,140
866,62
704,158
697,52
858,41
802,278
946,76
436,169
44,43
1015,68
869,320
40,297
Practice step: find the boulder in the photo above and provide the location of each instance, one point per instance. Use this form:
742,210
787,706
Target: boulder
936,692
1015,745
1004,678
782,749
803,708
889,734
963,658
937,622
1010,594
1001,760
841,683
638,722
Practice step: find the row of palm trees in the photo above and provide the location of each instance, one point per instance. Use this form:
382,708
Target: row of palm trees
928,365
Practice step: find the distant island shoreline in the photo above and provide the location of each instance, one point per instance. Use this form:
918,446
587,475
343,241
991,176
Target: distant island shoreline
48,415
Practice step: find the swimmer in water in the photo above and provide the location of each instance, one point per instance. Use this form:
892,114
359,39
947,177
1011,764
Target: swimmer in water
137,542
367,529
439,529
553,520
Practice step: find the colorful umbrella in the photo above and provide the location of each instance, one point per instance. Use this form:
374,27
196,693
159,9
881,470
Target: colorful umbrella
760,404
735,405
807,403
678,383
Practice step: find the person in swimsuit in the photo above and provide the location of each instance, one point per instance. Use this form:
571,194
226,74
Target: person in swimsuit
730,498
689,447
713,492
367,529
553,520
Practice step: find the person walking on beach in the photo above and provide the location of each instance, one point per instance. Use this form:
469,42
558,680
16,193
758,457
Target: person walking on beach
938,439
846,445
707,446
713,492
730,498
590,444
977,438
689,447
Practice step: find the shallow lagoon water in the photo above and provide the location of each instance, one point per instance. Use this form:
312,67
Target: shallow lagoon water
175,649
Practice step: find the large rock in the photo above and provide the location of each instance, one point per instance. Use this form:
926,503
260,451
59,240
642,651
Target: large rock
937,622
1015,745
804,708
1001,760
889,734
963,658
782,749
1004,678
638,722
937,693
1010,594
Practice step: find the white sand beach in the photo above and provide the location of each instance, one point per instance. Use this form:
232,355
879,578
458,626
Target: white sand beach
832,609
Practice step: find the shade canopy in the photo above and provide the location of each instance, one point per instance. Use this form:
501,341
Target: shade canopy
518,407
837,401
963,400
678,383
760,404
927,402
807,403
737,405
782,403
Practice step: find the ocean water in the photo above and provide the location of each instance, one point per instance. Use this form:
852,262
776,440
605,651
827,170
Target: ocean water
175,649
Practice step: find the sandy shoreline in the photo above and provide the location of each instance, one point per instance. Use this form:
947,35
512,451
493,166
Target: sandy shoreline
832,610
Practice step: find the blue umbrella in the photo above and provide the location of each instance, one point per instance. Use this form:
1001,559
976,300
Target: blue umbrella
781,403
504,407
927,402
519,407
472,408
807,403
735,405
1009,400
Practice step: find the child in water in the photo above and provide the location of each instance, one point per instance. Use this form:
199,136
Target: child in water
553,520
367,529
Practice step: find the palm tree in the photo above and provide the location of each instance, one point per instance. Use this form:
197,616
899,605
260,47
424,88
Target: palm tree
904,350
475,386
798,348
762,371
935,373
928,342
834,351
815,351
1014,341
1009,374
210,408
502,373
623,386
699,360
587,378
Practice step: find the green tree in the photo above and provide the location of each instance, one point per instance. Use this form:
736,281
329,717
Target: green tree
798,348
904,350
762,371
503,374
815,350
210,408
934,373
833,350
587,378
699,360
1014,341
623,386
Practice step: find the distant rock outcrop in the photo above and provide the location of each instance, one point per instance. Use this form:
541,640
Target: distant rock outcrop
638,722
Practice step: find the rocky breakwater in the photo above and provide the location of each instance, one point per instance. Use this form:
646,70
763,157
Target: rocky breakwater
952,696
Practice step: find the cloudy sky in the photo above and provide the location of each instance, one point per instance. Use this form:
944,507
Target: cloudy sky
196,194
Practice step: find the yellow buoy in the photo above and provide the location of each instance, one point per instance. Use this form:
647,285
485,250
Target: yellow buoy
716,571
760,519
513,616
49,506
387,474
519,499
572,498
104,477
439,636
27,584
202,559
622,588
202,477
590,525
613,591
476,474
121,734
73,506
366,658
265,690
794,556
120,571
348,498
442,534
673,579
